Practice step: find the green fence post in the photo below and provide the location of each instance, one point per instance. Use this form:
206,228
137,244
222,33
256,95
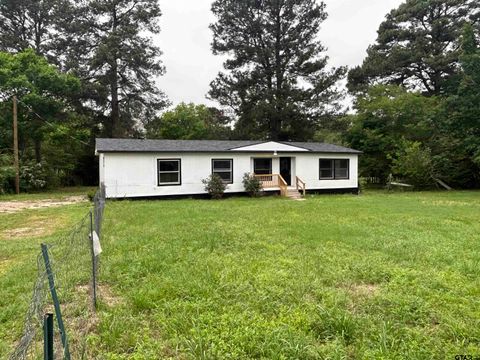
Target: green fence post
56,304
48,337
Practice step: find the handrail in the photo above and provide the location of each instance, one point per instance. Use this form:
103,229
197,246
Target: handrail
283,185
300,184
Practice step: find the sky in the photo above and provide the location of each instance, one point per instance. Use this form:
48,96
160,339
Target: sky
190,65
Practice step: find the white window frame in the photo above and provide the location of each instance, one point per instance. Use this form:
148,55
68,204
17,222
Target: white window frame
179,172
230,170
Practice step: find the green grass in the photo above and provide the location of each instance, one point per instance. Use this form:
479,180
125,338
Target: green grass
21,234
377,276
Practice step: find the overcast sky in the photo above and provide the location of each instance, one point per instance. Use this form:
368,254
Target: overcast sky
185,41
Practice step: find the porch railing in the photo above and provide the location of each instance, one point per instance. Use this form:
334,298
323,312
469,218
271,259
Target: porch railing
270,181
300,184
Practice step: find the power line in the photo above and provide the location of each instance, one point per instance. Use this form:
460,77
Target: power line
49,123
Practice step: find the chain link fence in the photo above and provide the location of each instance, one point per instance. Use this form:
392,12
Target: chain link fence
73,266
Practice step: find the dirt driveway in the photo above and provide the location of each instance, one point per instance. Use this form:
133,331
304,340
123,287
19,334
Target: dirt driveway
19,205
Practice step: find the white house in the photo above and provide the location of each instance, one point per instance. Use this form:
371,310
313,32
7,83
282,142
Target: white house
147,168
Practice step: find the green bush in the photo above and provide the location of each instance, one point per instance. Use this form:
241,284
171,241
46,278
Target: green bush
215,186
7,174
91,194
33,176
7,179
252,185
414,164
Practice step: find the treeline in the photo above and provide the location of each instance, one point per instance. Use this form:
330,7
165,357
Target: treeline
80,69
84,69
418,96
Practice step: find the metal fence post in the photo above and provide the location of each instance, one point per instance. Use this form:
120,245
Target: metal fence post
48,337
56,304
94,267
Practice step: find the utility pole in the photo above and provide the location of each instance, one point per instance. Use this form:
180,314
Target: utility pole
15,146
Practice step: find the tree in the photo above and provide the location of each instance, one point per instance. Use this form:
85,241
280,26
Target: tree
29,24
462,109
414,164
417,46
276,77
387,115
188,122
122,61
42,90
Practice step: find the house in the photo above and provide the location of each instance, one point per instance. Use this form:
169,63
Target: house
141,168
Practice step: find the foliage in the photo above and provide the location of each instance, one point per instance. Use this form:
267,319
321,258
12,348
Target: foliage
215,186
189,122
91,194
252,185
417,46
30,24
42,93
462,109
7,174
414,164
49,131
33,176
276,75
385,116
110,47
107,45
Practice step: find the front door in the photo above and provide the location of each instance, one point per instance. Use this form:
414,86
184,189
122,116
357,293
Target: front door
286,169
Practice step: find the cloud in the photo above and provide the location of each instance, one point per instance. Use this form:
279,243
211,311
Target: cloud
185,41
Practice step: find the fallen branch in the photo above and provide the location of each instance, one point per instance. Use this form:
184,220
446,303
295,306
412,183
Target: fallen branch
400,184
443,184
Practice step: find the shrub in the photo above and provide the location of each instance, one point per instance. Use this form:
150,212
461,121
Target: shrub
414,164
7,174
215,186
7,179
91,194
252,185
33,176
362,184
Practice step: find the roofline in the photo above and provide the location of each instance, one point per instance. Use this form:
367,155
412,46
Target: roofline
236,149
356,152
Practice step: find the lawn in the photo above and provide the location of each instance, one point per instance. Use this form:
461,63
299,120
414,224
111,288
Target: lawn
376,276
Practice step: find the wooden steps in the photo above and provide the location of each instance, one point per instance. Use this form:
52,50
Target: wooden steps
294,194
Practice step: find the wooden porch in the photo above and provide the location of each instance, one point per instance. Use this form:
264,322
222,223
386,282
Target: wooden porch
276,181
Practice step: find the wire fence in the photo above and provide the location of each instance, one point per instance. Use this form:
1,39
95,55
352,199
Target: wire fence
72,262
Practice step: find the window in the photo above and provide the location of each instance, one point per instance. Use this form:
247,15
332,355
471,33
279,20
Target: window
224,169
262,166
326,169
334,169
169,172
341,168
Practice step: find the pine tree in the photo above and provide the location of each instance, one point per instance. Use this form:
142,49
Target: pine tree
417,46
110,47
29,24
276,77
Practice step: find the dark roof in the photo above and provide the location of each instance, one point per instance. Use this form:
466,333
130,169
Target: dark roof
140,145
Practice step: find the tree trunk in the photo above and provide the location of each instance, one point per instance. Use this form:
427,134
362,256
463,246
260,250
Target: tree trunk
115,113
276,124
38,150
